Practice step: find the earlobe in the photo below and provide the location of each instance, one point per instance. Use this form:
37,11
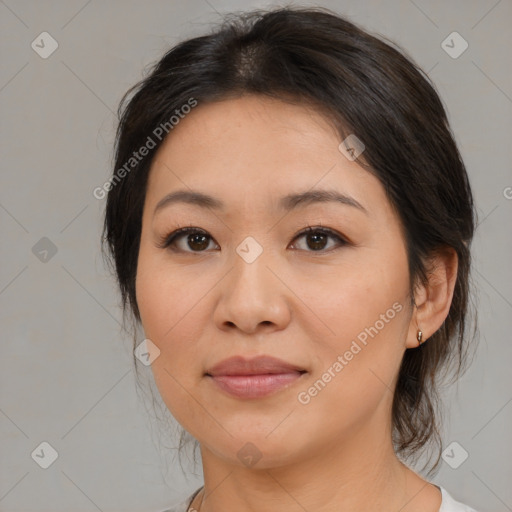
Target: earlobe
433,299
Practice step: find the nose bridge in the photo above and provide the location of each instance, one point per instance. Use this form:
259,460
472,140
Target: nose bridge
252,294
251,277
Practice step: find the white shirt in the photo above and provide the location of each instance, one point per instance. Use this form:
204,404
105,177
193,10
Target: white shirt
448,503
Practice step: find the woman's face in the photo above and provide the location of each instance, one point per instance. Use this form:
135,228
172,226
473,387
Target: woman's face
251,284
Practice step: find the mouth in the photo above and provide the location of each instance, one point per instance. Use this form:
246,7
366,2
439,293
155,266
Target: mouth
254,378
255,386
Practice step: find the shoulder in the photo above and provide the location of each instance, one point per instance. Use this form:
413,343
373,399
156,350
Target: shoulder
183,506
449,504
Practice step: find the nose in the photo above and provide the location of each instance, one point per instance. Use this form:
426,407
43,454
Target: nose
253,297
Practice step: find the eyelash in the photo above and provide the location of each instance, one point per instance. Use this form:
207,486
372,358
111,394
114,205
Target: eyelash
168,240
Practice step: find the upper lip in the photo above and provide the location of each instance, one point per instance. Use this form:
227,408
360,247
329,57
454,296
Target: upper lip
259,365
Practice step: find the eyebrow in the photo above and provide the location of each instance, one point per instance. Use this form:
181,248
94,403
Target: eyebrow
288,202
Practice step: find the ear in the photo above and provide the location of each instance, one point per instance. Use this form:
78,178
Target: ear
433,300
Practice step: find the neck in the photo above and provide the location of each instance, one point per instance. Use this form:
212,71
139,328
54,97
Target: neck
355,475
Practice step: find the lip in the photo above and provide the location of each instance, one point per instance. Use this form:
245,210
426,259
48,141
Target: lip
259,365
254,378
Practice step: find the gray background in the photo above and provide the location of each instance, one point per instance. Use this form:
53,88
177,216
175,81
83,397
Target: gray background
66,373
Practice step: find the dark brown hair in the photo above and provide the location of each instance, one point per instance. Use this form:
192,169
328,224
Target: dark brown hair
367,87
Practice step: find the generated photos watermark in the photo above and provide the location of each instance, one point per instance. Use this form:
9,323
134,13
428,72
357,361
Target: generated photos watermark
158,134
304,397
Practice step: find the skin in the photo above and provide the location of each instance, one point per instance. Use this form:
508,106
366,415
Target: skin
293,302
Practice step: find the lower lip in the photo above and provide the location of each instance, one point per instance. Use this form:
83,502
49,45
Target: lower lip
254,386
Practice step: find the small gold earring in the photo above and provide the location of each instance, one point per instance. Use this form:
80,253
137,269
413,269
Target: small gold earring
419,337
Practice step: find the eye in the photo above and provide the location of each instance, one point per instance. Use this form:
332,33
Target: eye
197,240
317,238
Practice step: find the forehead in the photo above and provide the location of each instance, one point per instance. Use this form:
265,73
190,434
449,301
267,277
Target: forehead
254,150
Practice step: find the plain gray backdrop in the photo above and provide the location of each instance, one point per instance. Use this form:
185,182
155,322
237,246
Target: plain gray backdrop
66,366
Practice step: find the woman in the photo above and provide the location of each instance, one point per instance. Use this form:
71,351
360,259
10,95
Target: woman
290,220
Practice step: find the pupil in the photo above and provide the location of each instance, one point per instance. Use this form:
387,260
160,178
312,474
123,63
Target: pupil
318,241
193,240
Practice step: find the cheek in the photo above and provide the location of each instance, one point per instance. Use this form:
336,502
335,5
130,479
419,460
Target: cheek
353,297
166,295
355,370
366,313
169,319
174,312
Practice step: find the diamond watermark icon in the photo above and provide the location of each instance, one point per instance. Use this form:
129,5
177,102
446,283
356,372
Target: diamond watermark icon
249,454
44,45
146,352
45,455
44,250
351,147
454,455
249,249
454,45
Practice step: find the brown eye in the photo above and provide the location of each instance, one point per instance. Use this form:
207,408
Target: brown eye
197,241
187,240
194,240
317,239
